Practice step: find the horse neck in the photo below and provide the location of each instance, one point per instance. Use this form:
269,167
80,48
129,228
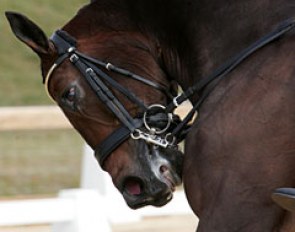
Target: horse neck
223,28
218,30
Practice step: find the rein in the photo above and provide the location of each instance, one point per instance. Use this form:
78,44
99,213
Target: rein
171,131
222,71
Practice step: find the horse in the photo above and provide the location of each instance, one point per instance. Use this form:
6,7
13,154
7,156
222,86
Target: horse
242,145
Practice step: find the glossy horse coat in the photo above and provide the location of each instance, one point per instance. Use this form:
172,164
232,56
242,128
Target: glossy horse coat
242,146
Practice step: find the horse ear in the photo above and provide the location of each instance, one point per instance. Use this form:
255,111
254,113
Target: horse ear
28,32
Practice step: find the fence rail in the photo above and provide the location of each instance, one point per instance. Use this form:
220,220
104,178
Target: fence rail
32,118
73,211
38,211
79,210
42,117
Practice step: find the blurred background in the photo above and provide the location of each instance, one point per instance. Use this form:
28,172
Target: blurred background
33,161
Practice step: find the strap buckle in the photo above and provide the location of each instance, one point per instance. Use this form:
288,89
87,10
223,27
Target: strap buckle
175,100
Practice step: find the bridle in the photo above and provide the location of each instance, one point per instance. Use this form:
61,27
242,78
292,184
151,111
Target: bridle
146,125
152,124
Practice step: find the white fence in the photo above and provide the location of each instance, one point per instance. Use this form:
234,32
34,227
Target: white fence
93,207
73,211
79,211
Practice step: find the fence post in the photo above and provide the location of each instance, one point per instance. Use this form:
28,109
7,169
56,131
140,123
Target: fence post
94,178
89,215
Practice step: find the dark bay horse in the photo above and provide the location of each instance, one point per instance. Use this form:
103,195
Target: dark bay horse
242,146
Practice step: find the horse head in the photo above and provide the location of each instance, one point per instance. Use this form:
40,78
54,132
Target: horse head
144,172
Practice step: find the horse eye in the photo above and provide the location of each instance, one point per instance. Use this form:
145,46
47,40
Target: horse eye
70,94
69,97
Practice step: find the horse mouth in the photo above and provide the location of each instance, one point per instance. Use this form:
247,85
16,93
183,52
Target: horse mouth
133,186
171,179
137,196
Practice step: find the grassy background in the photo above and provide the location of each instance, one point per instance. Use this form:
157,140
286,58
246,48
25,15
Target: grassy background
39,162
20,78
34,162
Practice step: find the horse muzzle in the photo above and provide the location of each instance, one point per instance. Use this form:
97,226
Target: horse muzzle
154,188
138,193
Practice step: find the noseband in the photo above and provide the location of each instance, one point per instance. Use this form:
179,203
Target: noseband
155,124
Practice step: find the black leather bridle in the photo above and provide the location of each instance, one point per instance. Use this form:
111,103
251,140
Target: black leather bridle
152,124
146,126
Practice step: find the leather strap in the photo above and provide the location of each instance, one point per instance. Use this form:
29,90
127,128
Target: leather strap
66,46
112,142
222,71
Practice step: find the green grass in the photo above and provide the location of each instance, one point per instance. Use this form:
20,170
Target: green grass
20,77
39,162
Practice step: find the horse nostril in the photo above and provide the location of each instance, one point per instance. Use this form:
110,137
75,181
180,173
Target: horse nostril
163,168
